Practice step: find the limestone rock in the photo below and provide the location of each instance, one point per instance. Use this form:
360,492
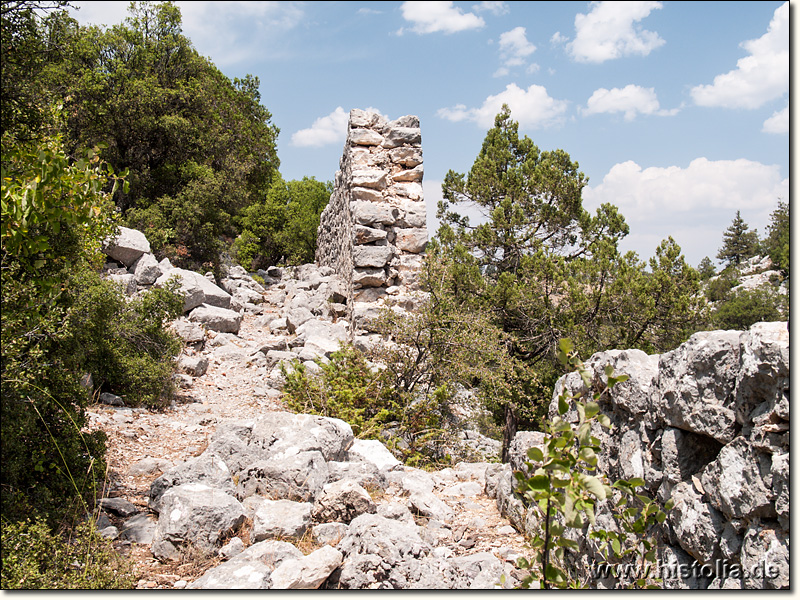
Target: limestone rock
281,519
194,514
307,573
128,246
342,501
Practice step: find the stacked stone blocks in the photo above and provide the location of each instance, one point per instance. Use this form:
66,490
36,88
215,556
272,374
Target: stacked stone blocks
373,231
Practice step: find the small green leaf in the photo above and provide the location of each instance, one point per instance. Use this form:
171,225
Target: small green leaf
615,545
535,454
592,408
594,486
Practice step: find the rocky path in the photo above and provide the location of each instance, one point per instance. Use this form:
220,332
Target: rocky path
142,444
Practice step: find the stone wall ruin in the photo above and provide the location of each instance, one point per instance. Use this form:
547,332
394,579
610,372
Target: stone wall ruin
373,230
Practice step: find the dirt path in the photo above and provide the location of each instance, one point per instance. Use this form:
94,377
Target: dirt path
234,389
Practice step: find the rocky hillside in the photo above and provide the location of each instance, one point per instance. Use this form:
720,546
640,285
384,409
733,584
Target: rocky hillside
228,490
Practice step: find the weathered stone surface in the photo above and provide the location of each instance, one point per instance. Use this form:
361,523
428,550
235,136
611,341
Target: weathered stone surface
765,559
196,289
372,451
365,235
365,137
207,468
284,434
763,379
372,256
189,332
307,573
329,533
193,365
118,506
365,474
518,450
428,505
217,319
234,575
369,277
146,269
411,240
281,519
369,178
697,524
696,385
126,282
194,514
139,529
298,477
128,246
342,501
735,482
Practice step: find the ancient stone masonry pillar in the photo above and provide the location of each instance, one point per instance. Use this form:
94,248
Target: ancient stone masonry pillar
373,231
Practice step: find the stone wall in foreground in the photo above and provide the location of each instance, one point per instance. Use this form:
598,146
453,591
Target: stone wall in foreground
373,231
706,425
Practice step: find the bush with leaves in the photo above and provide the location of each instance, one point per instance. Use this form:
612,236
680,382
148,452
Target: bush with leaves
36,558
742,308
348,387
564,487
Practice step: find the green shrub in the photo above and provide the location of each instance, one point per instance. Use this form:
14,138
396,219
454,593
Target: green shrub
349,389
746,307
123,342
563,485
35,557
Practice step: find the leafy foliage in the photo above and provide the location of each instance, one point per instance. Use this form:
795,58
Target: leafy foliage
563,485
198,147
35,557
283,228
60,320
743,308
541,268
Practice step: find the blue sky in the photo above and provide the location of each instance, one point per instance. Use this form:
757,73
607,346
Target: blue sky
676,111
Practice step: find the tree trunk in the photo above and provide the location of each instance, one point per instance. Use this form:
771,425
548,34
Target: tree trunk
509,431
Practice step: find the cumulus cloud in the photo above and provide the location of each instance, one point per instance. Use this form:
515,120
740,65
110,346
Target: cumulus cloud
434,17
496,8
693,204
761,76
611,31
515,47
326,130
532,108
631,100
778,122
724,184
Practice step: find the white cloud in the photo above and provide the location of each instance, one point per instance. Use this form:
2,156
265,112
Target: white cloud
722,184
99,13
501,72
330,129
557,39
532,108
433,17
778,122
610,31
327,130
515,47
693,204
231,32
761,76
630,100
496,8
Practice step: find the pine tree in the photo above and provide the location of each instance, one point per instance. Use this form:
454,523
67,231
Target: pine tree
738,242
